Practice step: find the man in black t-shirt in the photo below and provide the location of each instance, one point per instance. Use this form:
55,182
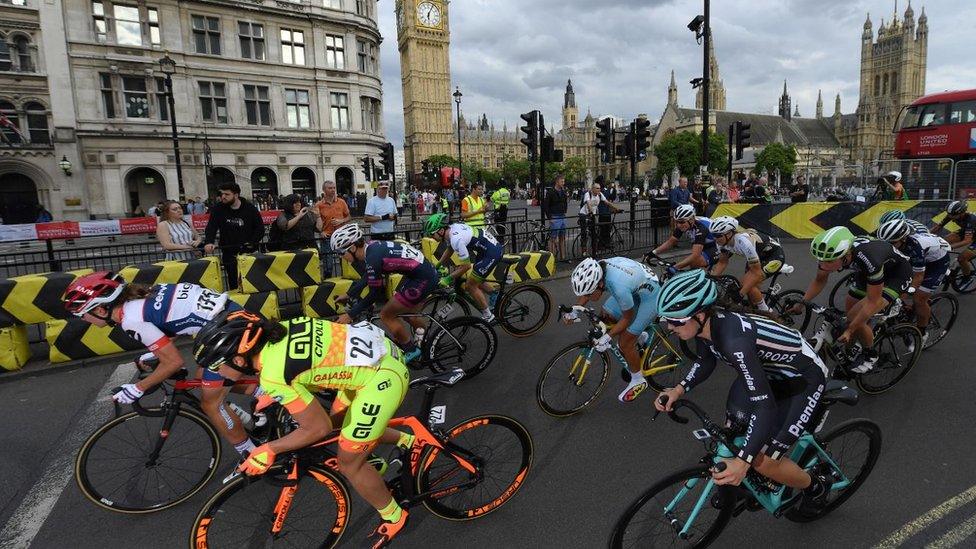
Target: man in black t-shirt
800,190
240,226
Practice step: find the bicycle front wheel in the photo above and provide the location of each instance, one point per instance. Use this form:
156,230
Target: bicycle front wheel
665,515
467,343
524,310
838,294
945,309
311,510
899,348
572,380
500,449
120,468
663,366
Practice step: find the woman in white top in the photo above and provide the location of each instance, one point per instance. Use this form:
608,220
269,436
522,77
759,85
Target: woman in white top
176,236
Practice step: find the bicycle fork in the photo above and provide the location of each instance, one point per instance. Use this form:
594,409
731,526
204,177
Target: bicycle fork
164,431
676,524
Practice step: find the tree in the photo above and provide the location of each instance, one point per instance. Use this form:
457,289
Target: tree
515,170
683,150
573,168
443,161
776,156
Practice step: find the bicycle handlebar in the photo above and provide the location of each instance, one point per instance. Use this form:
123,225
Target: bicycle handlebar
713,428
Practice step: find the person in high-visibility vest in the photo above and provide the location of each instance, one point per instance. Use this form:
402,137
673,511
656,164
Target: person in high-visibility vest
474,206
500,199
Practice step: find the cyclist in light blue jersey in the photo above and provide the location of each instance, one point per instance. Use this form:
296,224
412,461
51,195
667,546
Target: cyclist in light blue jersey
632,306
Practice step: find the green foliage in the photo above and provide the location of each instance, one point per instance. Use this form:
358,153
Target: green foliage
683,150
515,170
776,156
443,160
573,168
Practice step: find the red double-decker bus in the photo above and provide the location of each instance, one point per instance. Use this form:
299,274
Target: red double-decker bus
939,125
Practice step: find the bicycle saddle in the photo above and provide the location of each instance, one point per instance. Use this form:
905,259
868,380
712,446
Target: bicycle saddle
838,391
444,379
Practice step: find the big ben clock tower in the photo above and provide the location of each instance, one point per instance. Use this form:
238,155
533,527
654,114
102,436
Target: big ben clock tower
423,36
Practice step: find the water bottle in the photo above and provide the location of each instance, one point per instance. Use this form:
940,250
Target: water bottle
247,420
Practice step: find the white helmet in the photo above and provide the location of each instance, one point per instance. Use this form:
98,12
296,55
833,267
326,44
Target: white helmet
345,236
683,212
723,224
895,175
586,277
893,230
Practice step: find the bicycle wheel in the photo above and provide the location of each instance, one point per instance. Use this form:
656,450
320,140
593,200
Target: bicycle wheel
728,286
962,283
501,450
443,307
782,302
945,309
663,365
854,446
838,294
245,513
569,382
656,518
115,469
524,310
467,343
576,248
898,349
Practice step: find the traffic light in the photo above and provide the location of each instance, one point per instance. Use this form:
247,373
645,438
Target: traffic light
386,158
549,151
742,135
605,140
367,164
531,131
642,127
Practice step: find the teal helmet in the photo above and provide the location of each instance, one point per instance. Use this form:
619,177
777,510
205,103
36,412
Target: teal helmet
435,223
686,294
890,215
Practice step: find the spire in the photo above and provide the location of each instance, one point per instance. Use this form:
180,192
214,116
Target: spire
867,34
797,113
785,103
569,100
819,104
673,92
837,106
716,88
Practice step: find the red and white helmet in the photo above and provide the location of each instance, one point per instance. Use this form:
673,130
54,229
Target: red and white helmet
92,291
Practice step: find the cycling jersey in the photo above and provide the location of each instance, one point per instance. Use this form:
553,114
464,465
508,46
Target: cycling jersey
780,379
387,257
878,262
630,285
755,249
477,245
699,234
923,249
171,310
967,224
359,360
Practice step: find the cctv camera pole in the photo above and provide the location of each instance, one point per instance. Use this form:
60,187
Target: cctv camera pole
706,88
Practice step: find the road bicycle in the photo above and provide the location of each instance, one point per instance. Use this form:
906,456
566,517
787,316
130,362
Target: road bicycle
577,374
603,238
687,508
944,311
460,473
536,236
521,310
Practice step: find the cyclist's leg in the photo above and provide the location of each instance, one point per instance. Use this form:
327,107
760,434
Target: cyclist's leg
408,298
794,412
932,279
212,395
964,259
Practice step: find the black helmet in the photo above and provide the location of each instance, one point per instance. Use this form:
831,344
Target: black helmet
957,207
231,334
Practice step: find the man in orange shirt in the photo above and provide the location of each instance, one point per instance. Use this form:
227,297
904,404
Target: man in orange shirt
334,213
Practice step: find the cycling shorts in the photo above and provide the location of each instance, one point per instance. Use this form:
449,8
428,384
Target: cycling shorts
484,265
372,406
774,261
646,305
412,291
896,282
935,273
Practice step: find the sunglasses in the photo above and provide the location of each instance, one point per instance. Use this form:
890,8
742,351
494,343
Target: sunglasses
677,322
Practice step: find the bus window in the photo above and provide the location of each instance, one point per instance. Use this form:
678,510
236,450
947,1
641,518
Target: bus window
963,112
908,118
932,115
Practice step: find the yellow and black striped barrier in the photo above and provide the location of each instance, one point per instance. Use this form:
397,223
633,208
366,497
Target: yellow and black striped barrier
279,270
319,301
203,272
36,298
14,347
76,339
263,303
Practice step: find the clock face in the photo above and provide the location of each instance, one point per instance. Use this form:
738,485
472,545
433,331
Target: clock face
428,14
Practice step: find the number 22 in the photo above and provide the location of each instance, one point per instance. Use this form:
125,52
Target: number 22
360,347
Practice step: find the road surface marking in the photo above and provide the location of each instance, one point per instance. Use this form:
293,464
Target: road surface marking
955,536
936,514
37,505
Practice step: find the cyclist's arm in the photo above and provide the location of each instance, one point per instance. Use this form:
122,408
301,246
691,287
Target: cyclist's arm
668,244
917,278
626,317
170,362
696,252
701,369
445,256
721,264
313,421
816,285
373,278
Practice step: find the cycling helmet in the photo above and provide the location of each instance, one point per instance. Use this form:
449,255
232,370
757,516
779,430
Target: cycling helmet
917,226
684,212
435,223
345,236
894,175
232,333
832,244
723,224
957,207
893,230
686,294
889,215
586,277
92,291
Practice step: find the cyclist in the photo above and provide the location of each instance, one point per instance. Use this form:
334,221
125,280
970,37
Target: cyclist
631,307
764,257
929,256
374,260
778,386
957,212
469,244
889,215
883,274
704,251
299,357
153,316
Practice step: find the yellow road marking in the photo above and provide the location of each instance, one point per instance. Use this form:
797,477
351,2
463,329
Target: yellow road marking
955,536
935,514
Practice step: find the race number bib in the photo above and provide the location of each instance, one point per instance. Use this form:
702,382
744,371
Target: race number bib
409,252
365,345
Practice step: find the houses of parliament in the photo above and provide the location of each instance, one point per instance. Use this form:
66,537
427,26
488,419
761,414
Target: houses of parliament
892,75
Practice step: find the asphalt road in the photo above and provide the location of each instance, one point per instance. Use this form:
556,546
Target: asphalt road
587,468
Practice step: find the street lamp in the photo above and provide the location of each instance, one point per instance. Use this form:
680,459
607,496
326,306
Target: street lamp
65,165
168,66
457,101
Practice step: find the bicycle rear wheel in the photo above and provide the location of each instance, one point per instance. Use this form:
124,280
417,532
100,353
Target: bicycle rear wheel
838,294
443,308
961,283
569,383
247,512
945,309
524,310
898,348
659,515
501,450
663,366
467,343
116,471
782,302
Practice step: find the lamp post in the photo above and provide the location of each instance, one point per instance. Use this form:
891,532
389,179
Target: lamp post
168,66
65,165
457,101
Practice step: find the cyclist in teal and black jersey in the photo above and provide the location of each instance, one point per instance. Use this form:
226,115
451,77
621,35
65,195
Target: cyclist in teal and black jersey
962,238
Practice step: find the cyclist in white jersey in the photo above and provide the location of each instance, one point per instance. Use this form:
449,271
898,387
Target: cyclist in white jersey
153,316
764,257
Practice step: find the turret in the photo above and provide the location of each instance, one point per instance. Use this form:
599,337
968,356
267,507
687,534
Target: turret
819,104
837,106
673,92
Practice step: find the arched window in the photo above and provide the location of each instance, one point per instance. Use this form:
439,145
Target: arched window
37,124
884,86
22,49
894,83
877,84
9,129
5,63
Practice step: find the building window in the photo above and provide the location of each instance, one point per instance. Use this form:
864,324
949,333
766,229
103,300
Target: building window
252,40
108,95
370,109
340,110
101,28
162,101
8,130
257,105
332,4
297,109
335,51
127,27
22,51
206,34
362,7
135,97
37,128
6,63
213,102
153,26
362,56
292,47
894,83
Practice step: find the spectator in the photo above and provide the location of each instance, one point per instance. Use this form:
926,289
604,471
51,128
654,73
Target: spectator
680,194
716,196
800,190
43,216
381,213
296,225
589,209
155,210
199,208
451,198
176,236
760,191
894,189
555,202
474,206
138,211
334,213
240,227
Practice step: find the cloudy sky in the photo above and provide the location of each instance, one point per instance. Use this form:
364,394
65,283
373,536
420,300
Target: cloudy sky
511,56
